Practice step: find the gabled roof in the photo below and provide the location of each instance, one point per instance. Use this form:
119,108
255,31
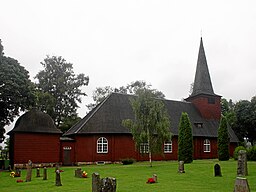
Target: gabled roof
108,115
202,81
35,121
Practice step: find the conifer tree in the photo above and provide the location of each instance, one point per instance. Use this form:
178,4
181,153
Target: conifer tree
223,140
185,139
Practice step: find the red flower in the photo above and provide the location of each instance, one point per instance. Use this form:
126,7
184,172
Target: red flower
151,180
19,181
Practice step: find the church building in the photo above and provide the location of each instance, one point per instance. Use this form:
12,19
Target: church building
101,137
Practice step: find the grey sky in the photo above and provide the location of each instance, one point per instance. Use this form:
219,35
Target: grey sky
117,42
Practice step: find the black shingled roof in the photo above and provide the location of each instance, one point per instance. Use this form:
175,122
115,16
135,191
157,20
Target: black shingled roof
35,121
202,81
108,115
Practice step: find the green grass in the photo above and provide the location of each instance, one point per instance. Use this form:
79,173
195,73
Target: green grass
199,176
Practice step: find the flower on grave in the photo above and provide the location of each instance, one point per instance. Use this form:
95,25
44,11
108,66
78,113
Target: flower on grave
12,174
19,181
84,174
151,180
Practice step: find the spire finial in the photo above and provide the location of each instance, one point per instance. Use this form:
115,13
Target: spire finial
201,33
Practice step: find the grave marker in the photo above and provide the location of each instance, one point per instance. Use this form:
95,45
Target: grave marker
217,170
241,185
181,167
29,171
37,172
242,169
45,174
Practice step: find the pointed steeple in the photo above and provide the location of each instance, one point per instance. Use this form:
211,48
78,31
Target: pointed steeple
202,82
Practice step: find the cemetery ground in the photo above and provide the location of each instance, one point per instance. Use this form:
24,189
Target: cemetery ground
198,176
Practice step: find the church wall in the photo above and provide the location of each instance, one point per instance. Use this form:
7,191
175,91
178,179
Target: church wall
39,148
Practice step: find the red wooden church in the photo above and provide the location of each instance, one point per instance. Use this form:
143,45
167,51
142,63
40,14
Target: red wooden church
100,136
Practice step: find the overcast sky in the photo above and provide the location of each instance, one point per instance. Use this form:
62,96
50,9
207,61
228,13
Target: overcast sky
117,42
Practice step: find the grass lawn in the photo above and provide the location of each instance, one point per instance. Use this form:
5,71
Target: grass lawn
199,176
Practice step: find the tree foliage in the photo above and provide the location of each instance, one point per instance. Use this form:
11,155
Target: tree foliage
59,89
133,88
223,140
16,90
185,139
151,124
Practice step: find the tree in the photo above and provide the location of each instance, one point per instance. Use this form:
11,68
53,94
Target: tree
243,115
185,139
59,85
151,125
16,90
223,140
102,92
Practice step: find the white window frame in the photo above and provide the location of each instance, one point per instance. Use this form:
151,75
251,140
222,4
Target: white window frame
168,147
207,146
144,148
102,145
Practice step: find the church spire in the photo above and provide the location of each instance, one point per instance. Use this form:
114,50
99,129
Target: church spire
202,82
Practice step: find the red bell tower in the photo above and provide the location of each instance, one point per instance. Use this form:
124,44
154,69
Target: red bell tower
203,96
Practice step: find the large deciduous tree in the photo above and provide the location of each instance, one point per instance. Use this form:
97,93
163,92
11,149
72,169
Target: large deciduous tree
151,124
16,90
223,140
59,89
132,88
185,139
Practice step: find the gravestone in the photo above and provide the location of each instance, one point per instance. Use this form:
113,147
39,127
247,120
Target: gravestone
241,185
78,173
217,170
17,172
37,172
29,171
107,184
242,169
155,177
96,185
45,174
181,167
57,179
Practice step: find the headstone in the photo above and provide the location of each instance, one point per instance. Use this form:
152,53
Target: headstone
181,167
217,170
155,177
57,179
241,185
107,184
242,164
29,171
96,185
45,174
78,173
37,172
17,172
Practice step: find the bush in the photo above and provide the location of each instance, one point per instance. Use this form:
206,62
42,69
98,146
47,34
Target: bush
128,161
237,149
251,154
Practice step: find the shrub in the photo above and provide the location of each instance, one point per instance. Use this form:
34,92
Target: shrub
128,161
251,154
237,149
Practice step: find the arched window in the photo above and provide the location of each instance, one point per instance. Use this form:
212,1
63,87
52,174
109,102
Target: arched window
207,145
168,147
102,145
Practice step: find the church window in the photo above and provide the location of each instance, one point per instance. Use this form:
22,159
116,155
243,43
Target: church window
211,100
207,145
102,145
144,148
168,147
